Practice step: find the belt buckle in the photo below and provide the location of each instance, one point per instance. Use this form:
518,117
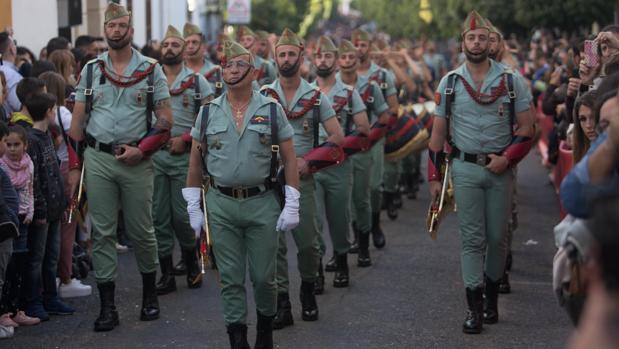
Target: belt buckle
239,193
481,159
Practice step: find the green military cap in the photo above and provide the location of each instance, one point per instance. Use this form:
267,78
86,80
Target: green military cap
288,37
262,34
474,21
114,11
233,49
172,33
191,29
325,44
360,35
346,47
494,29
244,31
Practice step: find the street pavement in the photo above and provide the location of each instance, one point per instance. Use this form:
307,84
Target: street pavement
412,296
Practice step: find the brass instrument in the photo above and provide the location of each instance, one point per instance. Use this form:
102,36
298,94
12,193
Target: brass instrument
204,244
75,202
439,206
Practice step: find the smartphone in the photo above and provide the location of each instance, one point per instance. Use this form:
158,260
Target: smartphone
592,58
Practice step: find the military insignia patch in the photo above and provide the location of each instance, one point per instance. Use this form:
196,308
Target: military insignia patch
185,101
437,98
259,120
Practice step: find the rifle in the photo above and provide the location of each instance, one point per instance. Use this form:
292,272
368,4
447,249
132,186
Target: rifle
438,207
76,200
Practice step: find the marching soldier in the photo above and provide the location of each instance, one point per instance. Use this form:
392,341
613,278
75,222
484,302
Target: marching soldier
333,185
363,163
306,108
196,58
482,101
265,71
263,46
188,91
369,70
238,136
115,99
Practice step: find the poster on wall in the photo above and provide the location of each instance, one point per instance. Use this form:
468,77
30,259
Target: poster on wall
239,11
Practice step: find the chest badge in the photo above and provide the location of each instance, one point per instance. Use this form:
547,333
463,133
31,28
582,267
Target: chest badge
185,101
139,98
216,144
305,125
501,110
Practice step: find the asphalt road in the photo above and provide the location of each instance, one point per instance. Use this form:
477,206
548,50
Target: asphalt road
412,297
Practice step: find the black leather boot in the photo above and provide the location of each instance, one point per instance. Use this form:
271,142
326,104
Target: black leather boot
237,333
504,286
341,275
473,323
377,233
166,283
193,269
319,284
397,199
264,332
363,258
491,306
354,245
150,304
392,209
108,316
309,307
283,317
331,264
180,268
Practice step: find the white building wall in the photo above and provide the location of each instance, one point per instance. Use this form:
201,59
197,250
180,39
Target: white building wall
34,22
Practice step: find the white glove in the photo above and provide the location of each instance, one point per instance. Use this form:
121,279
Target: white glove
196,216
289,218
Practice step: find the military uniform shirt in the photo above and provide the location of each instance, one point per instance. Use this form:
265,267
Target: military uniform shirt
338,95
378,105
477,128
376,73
266,69
303,126
240,159
183,104
118,114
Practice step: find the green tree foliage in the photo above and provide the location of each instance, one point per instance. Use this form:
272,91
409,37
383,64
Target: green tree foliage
400,18
275,15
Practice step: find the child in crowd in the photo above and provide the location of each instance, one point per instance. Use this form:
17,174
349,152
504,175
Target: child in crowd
9,205
49,206
17,164
69,287
26,88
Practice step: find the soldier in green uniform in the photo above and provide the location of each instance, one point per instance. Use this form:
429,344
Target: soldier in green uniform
265,70
188,91
115,99
369,70
196,58
363,163
482,101
263,47
233,137
306,107
334,185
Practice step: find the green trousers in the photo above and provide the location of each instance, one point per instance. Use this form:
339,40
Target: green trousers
243,232
376,176
169,207
411,163
361,208
305,237
111,184
333,190
513,221
484,203
391,177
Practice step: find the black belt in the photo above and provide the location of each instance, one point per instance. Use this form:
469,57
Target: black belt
479,159
109,148
240,192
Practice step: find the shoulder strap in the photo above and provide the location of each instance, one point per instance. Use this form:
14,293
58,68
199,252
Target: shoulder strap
316,118
150,96
450,97
349,114
203,144
512,100
219,86
383,83
274,142
64,133
88,90
197,96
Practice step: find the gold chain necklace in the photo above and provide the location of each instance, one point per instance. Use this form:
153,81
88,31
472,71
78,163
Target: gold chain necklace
238,112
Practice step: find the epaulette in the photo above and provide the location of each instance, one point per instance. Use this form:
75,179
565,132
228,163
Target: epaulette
94,60
348,87
270,99
264,87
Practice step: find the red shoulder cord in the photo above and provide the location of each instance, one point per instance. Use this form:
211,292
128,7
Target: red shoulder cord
185,85
307,106
260,73
135,78
366,94
339,106
482,98
209,74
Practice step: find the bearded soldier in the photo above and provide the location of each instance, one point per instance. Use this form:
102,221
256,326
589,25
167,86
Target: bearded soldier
478,107
115,99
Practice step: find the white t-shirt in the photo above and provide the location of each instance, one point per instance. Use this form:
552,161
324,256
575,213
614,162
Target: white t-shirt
65,117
